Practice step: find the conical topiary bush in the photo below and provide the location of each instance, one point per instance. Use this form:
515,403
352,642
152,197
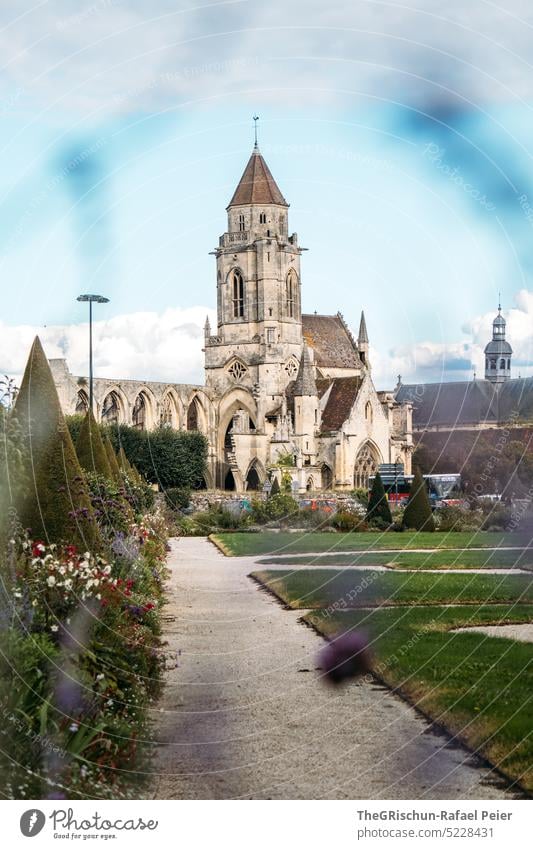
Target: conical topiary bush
417,514
57,507
378,505
112,459
123,462
90,447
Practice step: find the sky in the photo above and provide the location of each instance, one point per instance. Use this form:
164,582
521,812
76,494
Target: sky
398,132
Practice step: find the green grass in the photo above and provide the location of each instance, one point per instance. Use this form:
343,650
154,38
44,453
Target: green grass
269,542
465,559
480,688
352,588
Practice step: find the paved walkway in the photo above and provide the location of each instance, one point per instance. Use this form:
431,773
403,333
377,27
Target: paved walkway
245,715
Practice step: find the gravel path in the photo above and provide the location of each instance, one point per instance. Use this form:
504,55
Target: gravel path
245,715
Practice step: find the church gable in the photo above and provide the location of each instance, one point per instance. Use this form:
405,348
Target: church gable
331,341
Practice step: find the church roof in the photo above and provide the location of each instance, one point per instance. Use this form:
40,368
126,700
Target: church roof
331,341
466,403
342,397
257,185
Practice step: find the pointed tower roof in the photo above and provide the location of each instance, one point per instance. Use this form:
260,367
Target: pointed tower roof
363,333
305,383
257,185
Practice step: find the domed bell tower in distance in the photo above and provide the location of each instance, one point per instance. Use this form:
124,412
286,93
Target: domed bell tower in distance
498,352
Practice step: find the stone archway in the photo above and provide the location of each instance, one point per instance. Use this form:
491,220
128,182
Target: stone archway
327,476
253,479
229,481
366,463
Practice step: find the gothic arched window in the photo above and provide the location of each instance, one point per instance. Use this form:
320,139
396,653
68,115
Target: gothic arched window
111,409
502,363
289,293
238,294
139,412
82,402
262,218
192,415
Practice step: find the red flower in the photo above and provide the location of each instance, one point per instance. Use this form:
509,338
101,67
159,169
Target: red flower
71,551
38,548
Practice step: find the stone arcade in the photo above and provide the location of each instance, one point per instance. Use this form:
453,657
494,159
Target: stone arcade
279,385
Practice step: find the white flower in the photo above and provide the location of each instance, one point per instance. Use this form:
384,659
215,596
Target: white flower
18,594
51,580
54,628
109,702
99,676
73,726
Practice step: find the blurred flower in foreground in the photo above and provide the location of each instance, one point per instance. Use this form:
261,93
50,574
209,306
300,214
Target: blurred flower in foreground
346,657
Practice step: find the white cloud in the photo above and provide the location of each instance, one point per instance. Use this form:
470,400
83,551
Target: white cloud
434,361
144,345
168,346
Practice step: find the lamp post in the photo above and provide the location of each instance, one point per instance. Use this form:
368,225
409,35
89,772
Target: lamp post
96,299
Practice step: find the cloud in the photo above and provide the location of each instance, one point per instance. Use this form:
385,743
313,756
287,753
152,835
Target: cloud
434,361
112,55
163,346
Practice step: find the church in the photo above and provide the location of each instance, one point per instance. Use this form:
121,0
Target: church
284,390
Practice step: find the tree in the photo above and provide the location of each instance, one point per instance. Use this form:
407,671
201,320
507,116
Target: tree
378,505
57,507
90,448
417,514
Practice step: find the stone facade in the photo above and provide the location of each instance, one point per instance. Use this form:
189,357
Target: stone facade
285,392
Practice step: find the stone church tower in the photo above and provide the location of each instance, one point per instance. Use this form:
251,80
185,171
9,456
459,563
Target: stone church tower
258,341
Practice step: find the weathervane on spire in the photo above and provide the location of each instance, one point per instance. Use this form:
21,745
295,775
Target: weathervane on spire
499,301
256,119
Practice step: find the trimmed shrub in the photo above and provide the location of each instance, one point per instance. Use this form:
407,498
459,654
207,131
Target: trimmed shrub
164,456
378,505
280,506
417,514
345,521
58,506
90,448
112,459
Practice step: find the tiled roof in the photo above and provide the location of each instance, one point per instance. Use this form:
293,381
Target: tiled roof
331,341
342,397
462,403
257,185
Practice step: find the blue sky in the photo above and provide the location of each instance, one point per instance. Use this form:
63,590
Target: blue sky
409,173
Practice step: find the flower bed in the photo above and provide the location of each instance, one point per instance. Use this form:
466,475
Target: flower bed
82,664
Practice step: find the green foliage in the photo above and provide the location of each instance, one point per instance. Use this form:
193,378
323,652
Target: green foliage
112,459
138,493
177,497
346,521
378,505
277,507
74,424
164,456
14,475
58,506
111,509
361,495
275,487
90,448
417,514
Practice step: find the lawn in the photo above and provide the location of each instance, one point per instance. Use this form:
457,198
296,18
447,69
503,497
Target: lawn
447,559
353,588
479,688
271,542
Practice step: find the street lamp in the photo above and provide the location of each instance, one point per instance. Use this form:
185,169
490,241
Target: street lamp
97,299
